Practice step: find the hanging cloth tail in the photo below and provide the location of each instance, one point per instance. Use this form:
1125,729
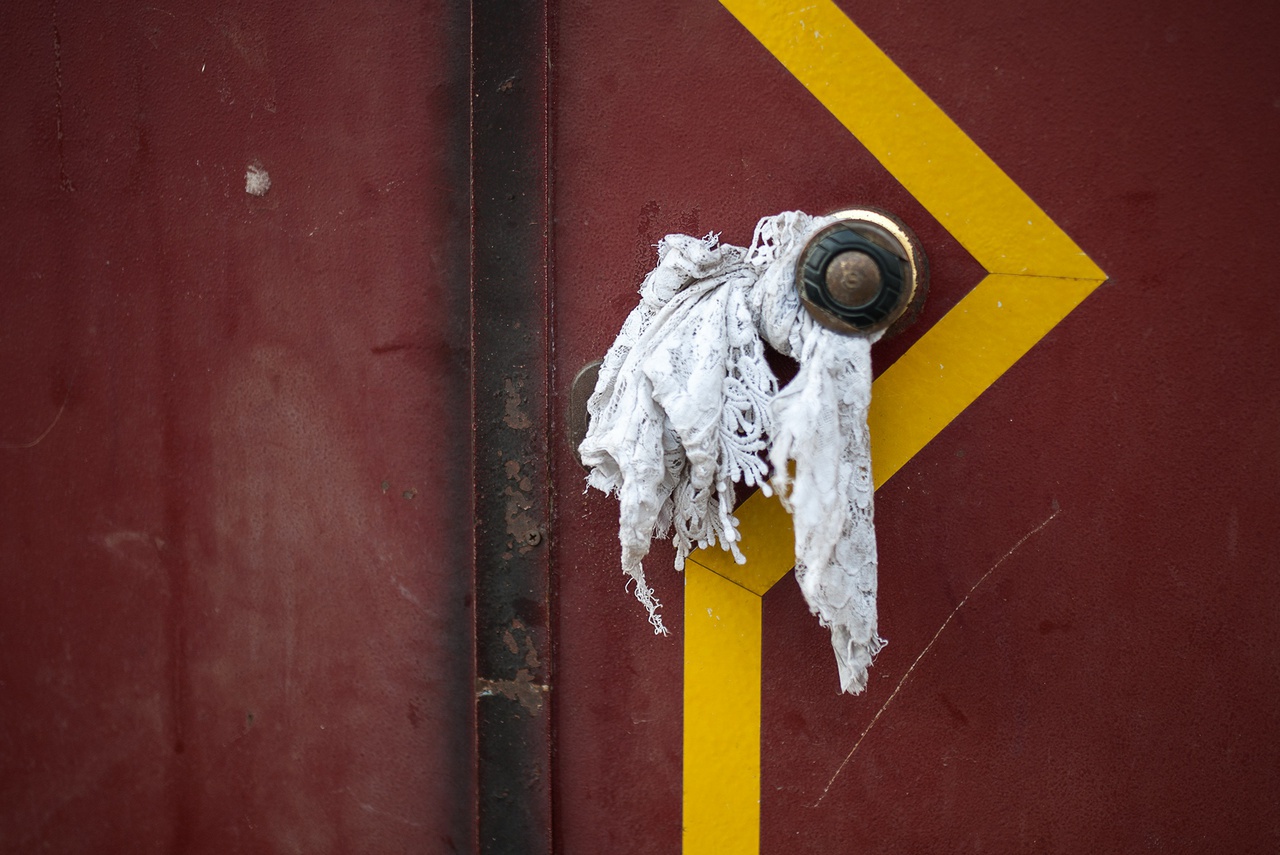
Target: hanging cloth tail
821,428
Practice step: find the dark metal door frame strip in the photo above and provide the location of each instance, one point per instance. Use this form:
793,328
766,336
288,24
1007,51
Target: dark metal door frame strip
510,320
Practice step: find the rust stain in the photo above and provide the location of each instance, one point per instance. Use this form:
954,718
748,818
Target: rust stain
515,418
522,689
523,532
530,652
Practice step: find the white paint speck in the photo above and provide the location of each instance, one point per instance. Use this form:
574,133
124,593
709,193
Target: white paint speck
256,180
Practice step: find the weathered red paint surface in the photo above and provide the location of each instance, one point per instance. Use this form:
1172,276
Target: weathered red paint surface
220,631
1111,685
233,430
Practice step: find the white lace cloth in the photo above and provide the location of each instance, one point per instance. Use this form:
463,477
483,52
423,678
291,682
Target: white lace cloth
686,403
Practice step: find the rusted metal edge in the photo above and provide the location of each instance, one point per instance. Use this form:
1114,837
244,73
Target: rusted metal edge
510,341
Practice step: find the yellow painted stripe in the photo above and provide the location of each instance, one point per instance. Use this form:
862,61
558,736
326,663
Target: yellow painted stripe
769,547
959,357
946,370
722,626
1038,275
936,161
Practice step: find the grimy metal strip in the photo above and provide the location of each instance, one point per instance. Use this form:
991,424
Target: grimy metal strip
510,329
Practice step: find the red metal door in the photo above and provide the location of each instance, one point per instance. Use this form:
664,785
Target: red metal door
1078,572
283,382
234,477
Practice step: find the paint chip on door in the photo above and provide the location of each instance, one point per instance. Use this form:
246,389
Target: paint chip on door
256,180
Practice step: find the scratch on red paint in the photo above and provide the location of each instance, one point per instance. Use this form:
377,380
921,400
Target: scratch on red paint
12,446
368,808
927,647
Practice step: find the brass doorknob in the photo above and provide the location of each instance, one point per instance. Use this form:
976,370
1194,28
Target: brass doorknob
862,273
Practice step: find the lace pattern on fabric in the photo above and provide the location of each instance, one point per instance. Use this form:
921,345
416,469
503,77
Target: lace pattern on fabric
686,406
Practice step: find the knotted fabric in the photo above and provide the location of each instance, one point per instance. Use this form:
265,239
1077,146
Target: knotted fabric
686,405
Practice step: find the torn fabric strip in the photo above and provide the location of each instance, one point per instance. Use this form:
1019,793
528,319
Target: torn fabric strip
686,405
